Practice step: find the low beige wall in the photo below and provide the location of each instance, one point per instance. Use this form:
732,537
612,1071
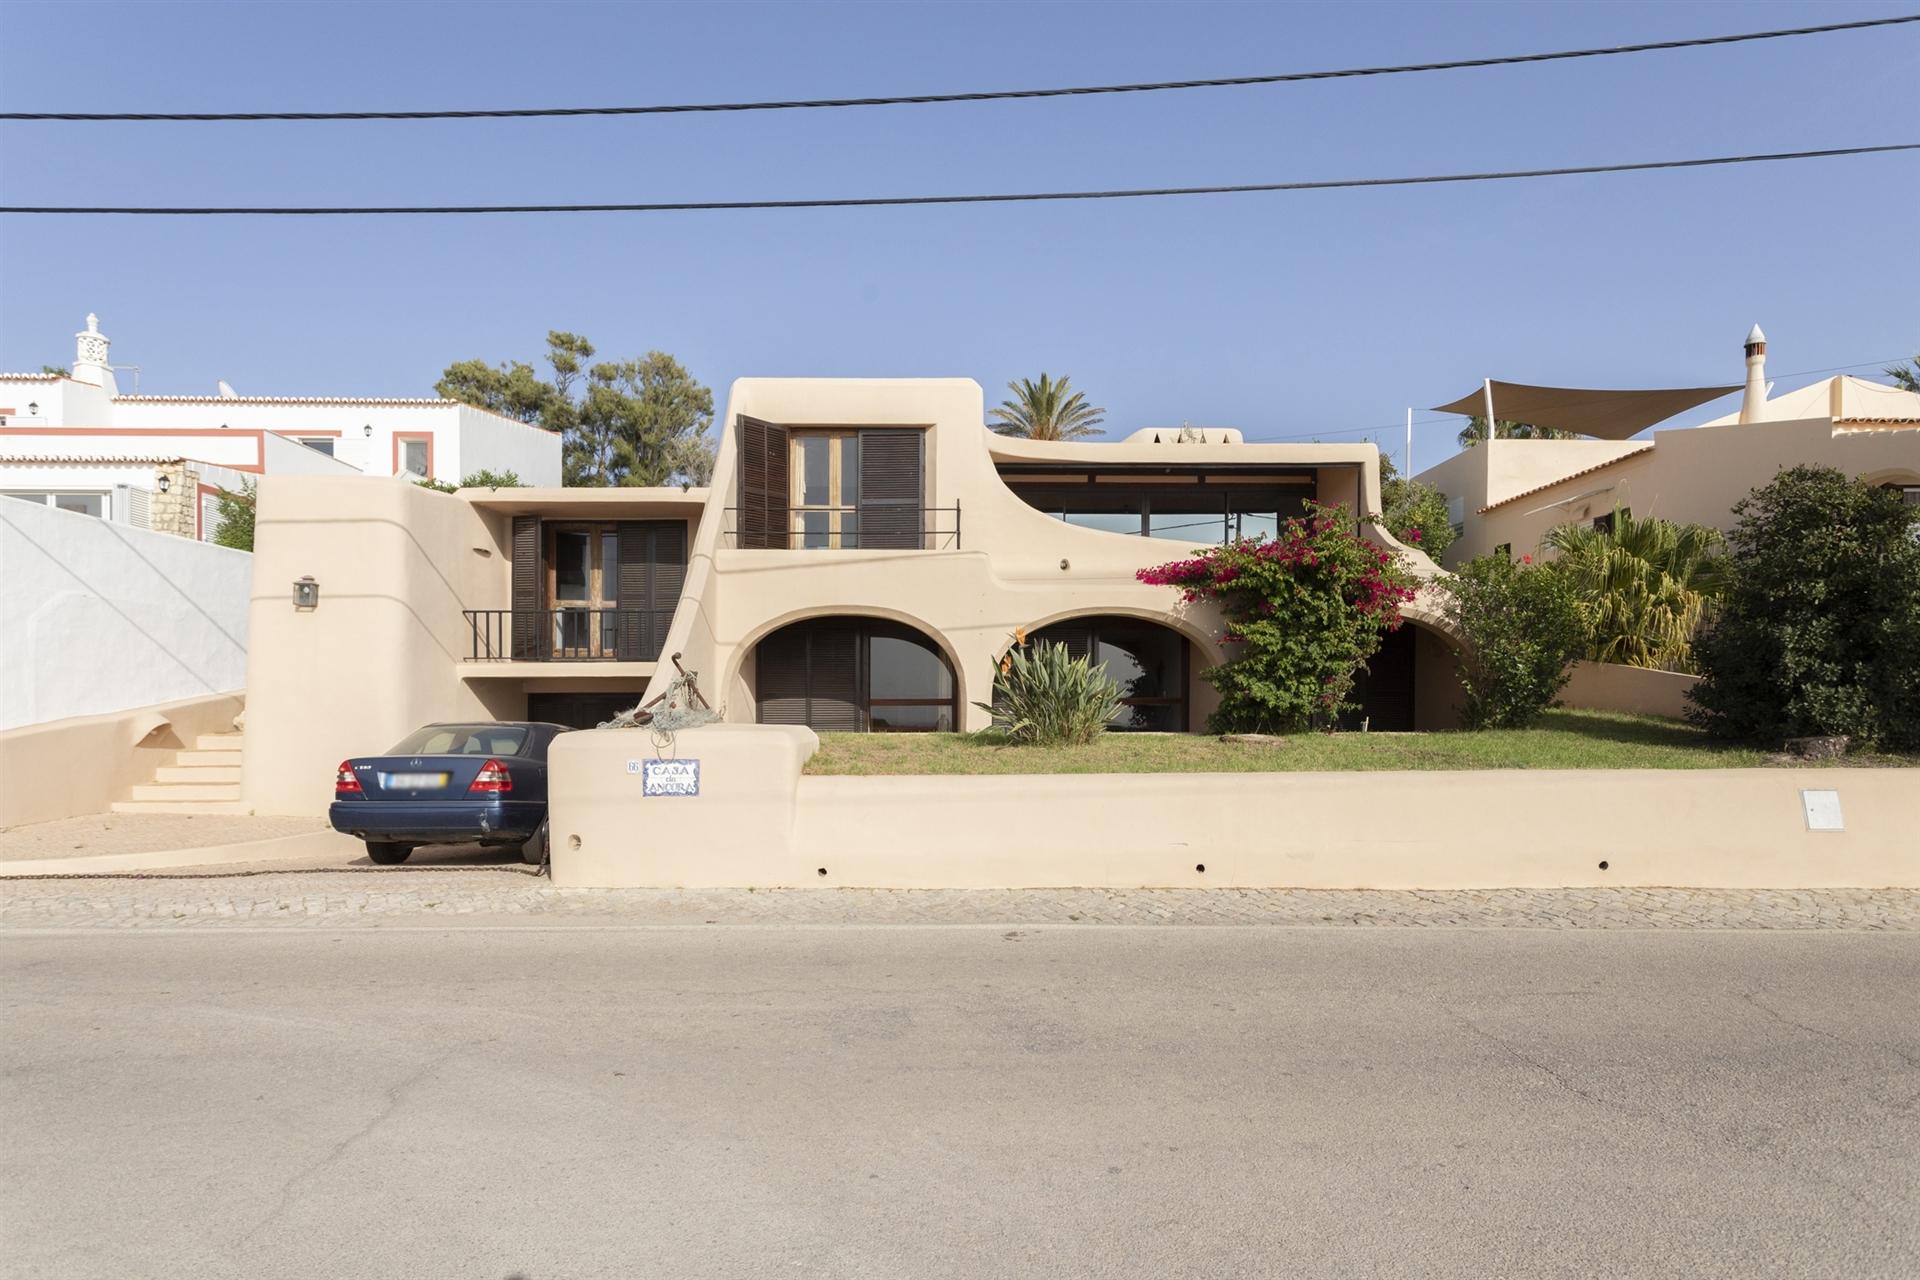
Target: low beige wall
1609,686
757,823
66,768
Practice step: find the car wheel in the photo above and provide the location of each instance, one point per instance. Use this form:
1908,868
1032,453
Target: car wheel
388,854
535,850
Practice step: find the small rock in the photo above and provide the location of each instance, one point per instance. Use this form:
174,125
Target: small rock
1827,748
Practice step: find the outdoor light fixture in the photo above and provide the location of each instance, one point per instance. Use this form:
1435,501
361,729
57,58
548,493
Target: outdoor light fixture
166,482
368,429
33,408
306,592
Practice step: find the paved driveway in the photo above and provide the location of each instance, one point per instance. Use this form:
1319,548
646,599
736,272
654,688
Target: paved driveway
1052,1100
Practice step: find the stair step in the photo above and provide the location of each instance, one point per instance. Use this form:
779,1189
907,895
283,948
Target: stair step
218,741
187,791
182,806
173,773
204,759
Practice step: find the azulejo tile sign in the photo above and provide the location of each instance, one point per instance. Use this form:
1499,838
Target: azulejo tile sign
667,777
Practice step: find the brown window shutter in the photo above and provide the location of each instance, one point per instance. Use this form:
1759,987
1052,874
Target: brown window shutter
836,693
525,599
763,519
653,570
892,487
780,677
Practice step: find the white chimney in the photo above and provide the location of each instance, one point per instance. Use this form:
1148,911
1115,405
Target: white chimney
90,356
1753,404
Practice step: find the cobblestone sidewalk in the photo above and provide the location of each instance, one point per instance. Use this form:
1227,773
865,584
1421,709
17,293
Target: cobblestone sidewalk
391,897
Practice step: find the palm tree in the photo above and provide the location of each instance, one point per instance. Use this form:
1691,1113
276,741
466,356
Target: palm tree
1044,410
1645,586
1476,431
1905,376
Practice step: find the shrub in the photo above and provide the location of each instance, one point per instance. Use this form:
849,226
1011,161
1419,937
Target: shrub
1308,608
1820,630
234,517
1522,628
1414,513
1046,697
1645,586
482,479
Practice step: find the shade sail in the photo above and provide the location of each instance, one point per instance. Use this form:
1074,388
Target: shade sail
1607,415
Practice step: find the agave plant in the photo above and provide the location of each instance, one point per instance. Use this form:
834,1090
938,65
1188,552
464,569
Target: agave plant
1047,697
1046,410
1645,586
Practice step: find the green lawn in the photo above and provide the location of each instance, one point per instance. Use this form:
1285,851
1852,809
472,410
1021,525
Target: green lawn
1564,740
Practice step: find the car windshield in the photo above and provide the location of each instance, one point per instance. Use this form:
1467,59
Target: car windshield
464,740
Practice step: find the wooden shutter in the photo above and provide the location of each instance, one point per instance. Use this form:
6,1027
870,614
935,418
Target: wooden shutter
1076,636
763,520
653,570
891,488
781,677
836,693
525,601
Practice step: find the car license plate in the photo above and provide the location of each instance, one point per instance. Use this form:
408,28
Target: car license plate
414,781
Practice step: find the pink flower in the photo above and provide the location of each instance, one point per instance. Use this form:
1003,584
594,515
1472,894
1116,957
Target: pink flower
1526,559
1413,535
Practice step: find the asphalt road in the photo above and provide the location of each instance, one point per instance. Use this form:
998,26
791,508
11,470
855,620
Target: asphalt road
959,1102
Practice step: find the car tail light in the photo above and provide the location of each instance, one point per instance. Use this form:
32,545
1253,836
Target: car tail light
344,783
493,776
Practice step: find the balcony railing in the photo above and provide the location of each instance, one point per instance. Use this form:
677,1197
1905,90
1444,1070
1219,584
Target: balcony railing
567,635
814,529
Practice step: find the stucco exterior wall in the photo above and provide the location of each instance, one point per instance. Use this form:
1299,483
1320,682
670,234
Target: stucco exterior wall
67,768
1611,686
758,822
396,565
1015,567
489,442
97,617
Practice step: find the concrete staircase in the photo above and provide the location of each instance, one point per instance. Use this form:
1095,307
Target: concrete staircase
203,779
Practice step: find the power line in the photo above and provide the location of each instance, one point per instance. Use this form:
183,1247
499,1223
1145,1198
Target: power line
801,104
865,202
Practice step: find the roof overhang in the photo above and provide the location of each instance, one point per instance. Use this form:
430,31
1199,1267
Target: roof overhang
1604,415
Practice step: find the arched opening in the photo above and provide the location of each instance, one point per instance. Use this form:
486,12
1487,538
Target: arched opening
854,675
1409,684
1151,663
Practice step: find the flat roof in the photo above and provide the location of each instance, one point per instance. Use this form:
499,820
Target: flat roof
589,502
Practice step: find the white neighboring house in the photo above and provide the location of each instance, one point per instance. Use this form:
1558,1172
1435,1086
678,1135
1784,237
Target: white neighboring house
72,441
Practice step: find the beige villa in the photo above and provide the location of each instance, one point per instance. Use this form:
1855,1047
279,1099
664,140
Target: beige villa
865,556
1507,494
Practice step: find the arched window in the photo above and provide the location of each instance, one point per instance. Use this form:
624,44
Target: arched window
854,675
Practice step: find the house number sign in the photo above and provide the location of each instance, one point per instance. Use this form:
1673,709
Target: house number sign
669,777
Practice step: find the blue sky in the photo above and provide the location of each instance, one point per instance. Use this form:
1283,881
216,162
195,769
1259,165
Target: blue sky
1285,314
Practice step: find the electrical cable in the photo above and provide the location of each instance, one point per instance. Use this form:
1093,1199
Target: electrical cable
867,202
919,99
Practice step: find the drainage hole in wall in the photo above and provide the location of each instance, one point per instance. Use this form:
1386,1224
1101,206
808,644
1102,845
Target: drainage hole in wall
1201,867
823,871
1603,866
573,842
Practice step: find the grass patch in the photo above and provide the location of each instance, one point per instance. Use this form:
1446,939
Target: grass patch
1563,740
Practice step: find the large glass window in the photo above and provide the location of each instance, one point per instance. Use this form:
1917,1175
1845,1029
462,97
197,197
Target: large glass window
1147,661
583,565
1176,510
854,675
826,489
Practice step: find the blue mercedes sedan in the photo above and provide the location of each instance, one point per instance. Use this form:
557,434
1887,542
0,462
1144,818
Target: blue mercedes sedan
450,784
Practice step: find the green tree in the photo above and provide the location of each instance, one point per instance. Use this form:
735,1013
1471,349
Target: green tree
622,422
1522,629
1905,376
1414,513
1046,410
233,517
1476,430
60,369
1645,586
1819,633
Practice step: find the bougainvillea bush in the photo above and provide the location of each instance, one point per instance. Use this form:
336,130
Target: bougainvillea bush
1307,609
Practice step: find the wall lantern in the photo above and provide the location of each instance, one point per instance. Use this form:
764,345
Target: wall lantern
306,592
166,482
367,430
33,408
